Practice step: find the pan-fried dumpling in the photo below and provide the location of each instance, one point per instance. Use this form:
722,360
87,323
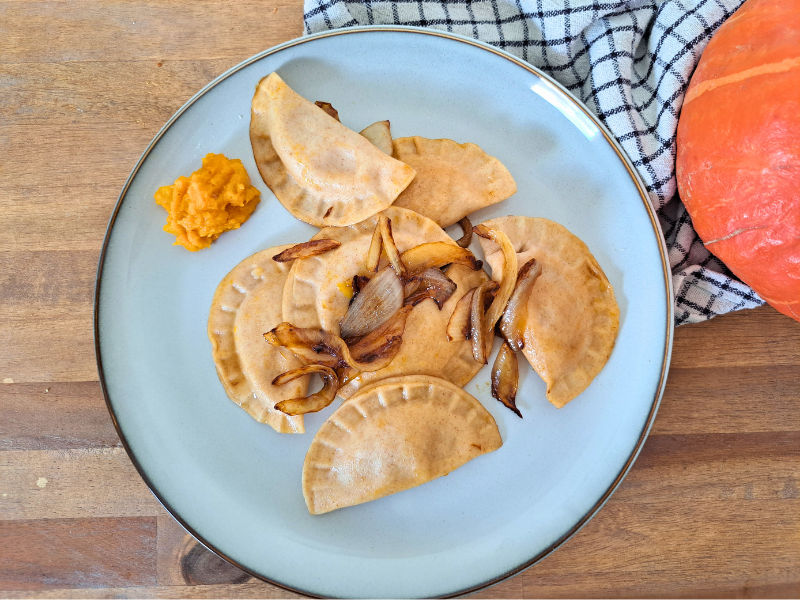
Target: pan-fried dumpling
453,180
317,295
572,316
397,434
321,171
247,303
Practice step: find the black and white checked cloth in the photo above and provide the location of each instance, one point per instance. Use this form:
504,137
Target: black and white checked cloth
629,62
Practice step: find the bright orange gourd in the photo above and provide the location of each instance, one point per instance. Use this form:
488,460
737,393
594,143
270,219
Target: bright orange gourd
738,148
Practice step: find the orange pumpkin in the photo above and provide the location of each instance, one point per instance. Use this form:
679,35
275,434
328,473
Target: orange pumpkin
738,163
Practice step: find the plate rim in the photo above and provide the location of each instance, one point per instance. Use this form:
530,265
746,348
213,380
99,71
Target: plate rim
609,137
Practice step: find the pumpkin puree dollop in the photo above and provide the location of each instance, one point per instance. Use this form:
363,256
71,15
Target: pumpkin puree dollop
217,197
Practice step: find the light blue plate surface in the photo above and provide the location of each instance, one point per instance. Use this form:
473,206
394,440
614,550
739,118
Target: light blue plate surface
235,483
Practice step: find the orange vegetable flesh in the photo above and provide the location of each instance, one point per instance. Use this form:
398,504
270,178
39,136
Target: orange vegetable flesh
215,198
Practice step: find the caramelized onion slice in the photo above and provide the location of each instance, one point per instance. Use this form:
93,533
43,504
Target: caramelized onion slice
505,378
380,134
385,225
374,252
379,299
306,249
466,227
382,345
458,325
317,346
313,346
382,239
358,284
431,283
479,332
509,278
512,324
434,255
329,110
316,401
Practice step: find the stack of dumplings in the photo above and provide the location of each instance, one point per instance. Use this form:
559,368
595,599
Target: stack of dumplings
381,204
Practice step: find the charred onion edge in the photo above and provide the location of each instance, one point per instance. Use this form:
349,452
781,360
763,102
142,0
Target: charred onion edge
328,109
385,224
505,378
375,247
358,283
511,323
466,227
458,325
436,255
433,282
383,342
306,249
317,346
384,292
508,280
314,402
477,322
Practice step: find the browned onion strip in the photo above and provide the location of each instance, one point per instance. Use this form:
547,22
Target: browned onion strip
375,304
505,378
383,343
508,280
317,346
458,325
329,110
385,225
374,252
466,227
477,322
306,249
434,255
358,283
316,401
512,324
431,283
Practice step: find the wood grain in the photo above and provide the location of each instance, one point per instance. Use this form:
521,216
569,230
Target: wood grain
710,509
81,552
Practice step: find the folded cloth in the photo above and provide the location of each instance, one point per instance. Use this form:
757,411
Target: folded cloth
629,62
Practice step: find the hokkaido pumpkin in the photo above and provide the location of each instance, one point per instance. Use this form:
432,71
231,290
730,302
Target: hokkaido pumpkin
738,149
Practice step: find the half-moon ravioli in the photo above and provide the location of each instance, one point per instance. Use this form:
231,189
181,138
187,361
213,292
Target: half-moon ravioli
572,317
395,435
321,171
246,304
453,180
317,294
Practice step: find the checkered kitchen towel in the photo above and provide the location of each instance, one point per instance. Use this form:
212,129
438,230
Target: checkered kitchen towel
629,62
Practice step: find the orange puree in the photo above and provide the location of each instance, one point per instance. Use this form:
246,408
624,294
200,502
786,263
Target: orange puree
216,198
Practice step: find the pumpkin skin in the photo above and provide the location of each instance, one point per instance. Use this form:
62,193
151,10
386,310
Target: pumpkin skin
738,149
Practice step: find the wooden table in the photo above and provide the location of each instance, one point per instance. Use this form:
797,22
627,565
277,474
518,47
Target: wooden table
711,508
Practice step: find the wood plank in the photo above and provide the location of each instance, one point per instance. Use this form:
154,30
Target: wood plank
103,91
760,337
54,416
45,278
108,153
56,218
36,555
247,590
70,484
46,342
142,30
729,400
672,550
753,466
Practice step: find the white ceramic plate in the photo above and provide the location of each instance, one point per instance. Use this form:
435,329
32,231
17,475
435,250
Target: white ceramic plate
235,484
